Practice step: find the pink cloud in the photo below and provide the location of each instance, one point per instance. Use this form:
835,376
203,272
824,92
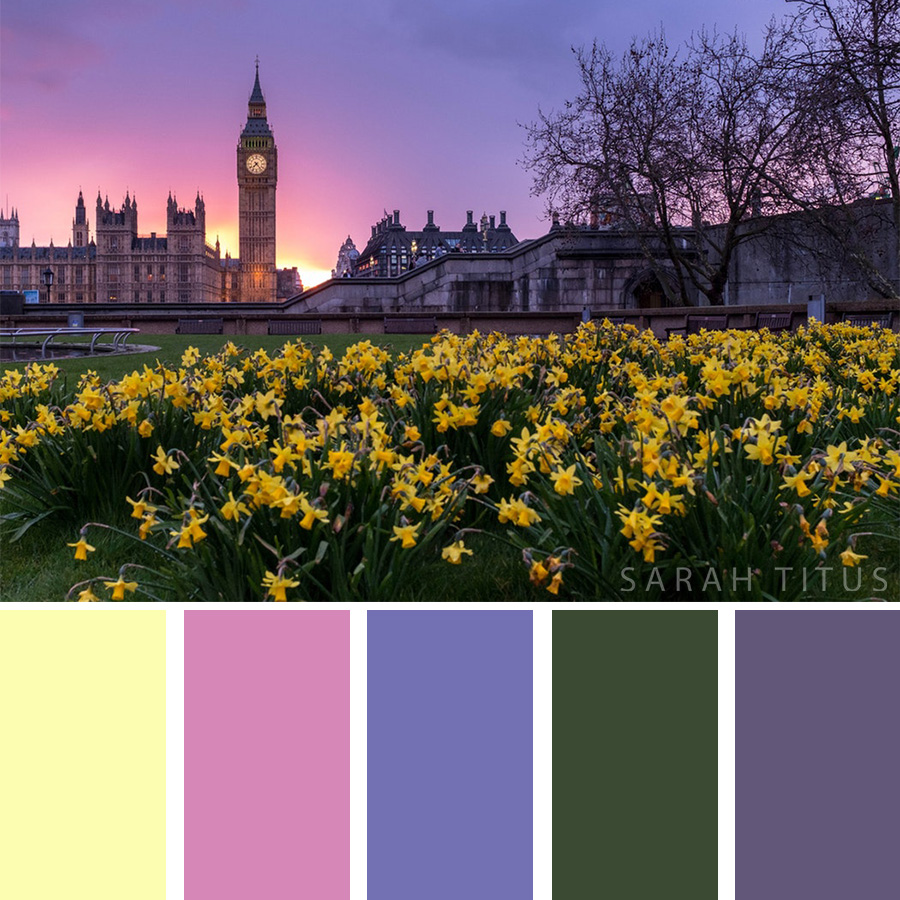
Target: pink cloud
45,54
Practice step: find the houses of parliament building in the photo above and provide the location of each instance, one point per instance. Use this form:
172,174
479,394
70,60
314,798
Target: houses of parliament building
118,264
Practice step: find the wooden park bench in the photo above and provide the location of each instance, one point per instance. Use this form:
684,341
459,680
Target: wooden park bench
863,320
295,326
200,326
773,321
696,324
410,325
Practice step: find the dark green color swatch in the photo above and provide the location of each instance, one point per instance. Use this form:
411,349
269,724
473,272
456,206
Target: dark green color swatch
635,766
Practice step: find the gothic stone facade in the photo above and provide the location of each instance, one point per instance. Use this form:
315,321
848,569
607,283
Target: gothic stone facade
179,267
119,265
257,176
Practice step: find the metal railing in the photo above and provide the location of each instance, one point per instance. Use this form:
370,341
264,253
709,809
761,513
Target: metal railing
32,335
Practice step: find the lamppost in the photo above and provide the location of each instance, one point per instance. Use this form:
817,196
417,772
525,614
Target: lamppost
47,280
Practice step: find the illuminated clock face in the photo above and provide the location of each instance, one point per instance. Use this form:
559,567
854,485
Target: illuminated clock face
256,164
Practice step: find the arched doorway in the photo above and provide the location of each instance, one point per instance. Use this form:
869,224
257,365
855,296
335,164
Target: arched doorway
645,291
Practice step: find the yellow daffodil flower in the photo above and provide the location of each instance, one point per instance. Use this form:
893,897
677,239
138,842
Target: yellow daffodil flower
454,553
565,480
277,586
82,548
119,587
406,534
849,558
164,465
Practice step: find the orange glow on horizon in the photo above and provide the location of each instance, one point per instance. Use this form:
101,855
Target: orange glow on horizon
309,275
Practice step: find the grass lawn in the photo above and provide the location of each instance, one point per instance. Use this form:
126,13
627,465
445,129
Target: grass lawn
171,346
41,568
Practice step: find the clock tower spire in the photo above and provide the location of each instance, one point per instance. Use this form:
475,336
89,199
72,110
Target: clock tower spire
257,175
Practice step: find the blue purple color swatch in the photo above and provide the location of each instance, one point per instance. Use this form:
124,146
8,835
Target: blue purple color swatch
449,755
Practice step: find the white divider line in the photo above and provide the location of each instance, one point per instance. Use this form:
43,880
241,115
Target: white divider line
726,755
174,754
542,798
358,754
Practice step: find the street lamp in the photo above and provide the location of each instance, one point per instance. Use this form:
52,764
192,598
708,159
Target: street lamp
47,280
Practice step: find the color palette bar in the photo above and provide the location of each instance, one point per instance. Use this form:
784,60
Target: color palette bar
267,754
447,706
817,754
635,754
82,754
449,755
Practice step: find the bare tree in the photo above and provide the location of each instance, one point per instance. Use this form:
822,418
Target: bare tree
665,143
846,66
687,150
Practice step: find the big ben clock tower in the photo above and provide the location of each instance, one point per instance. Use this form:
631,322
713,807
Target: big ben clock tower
257,174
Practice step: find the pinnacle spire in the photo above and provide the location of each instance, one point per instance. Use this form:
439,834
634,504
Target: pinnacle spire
256,126
256,95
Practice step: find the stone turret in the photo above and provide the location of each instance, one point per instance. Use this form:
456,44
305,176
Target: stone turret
117,229
80,229
9,229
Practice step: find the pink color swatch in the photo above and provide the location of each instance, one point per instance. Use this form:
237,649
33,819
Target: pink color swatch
267,754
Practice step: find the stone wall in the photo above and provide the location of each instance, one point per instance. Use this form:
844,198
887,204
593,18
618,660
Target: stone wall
562,271
791,260
566,270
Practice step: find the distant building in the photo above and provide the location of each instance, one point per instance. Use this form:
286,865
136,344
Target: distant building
121,265
392,250
179,267
74,271
346,261
289,283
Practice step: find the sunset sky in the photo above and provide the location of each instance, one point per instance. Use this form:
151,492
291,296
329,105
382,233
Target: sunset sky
375,106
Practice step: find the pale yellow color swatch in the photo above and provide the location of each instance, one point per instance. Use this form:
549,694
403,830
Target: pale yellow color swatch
82,754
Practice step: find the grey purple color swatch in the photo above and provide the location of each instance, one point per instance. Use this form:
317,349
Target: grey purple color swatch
817,705
450,738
